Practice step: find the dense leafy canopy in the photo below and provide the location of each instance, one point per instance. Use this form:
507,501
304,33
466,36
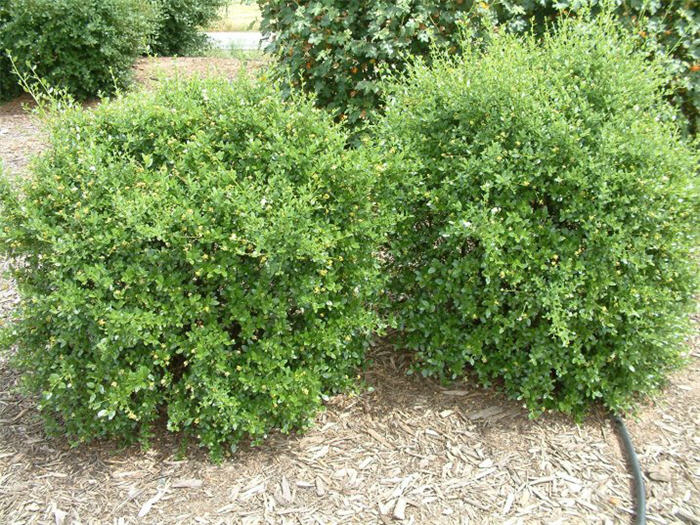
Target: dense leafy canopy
9,86
180,23
670,27
205,253
338,49
83,47
551,217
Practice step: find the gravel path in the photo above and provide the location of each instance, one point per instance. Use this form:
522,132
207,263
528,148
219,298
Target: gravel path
409,451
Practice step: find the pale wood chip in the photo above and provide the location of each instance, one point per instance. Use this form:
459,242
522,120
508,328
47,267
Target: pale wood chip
320,487
366,463
58,515
146,508
227,508
661,472
286,490
539,481
385,508
458,393
486,413
127,474
304,484
487,463
399,509
321,452
187,484
377,437
508,504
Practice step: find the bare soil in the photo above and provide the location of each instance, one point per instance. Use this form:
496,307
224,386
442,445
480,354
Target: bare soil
409,451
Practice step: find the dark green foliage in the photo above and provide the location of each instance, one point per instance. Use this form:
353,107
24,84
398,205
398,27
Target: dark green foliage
8,82
551,217
180,23
668,26
83,47
205,253
336,47
9,87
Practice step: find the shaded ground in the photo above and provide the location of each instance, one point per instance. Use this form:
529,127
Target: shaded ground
409,451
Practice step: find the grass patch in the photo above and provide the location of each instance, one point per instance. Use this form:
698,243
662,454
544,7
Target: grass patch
237,16
243,55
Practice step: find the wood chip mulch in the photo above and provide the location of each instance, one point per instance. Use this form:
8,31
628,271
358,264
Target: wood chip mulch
405,451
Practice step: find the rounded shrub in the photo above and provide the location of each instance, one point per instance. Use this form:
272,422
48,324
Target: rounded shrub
550,218
83,47
179,25
204,254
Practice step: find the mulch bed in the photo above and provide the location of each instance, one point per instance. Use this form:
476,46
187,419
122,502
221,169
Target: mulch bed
406,450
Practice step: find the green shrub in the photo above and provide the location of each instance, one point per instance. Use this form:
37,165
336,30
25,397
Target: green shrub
551,213
83,47
669,26
205,253
180,23
8,81
336,48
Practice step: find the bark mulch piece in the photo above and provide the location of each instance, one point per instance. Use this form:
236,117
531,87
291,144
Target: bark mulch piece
405,451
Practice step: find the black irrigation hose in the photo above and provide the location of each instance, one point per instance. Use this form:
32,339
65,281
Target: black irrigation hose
633,462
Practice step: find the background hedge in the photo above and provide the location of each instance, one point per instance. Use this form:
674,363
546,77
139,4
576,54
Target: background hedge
180,24
8,82
81,46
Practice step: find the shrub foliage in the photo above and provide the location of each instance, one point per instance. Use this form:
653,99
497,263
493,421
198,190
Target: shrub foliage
180,23
550,218
8,82
205,253
9,87
83,47
668,26
334,48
